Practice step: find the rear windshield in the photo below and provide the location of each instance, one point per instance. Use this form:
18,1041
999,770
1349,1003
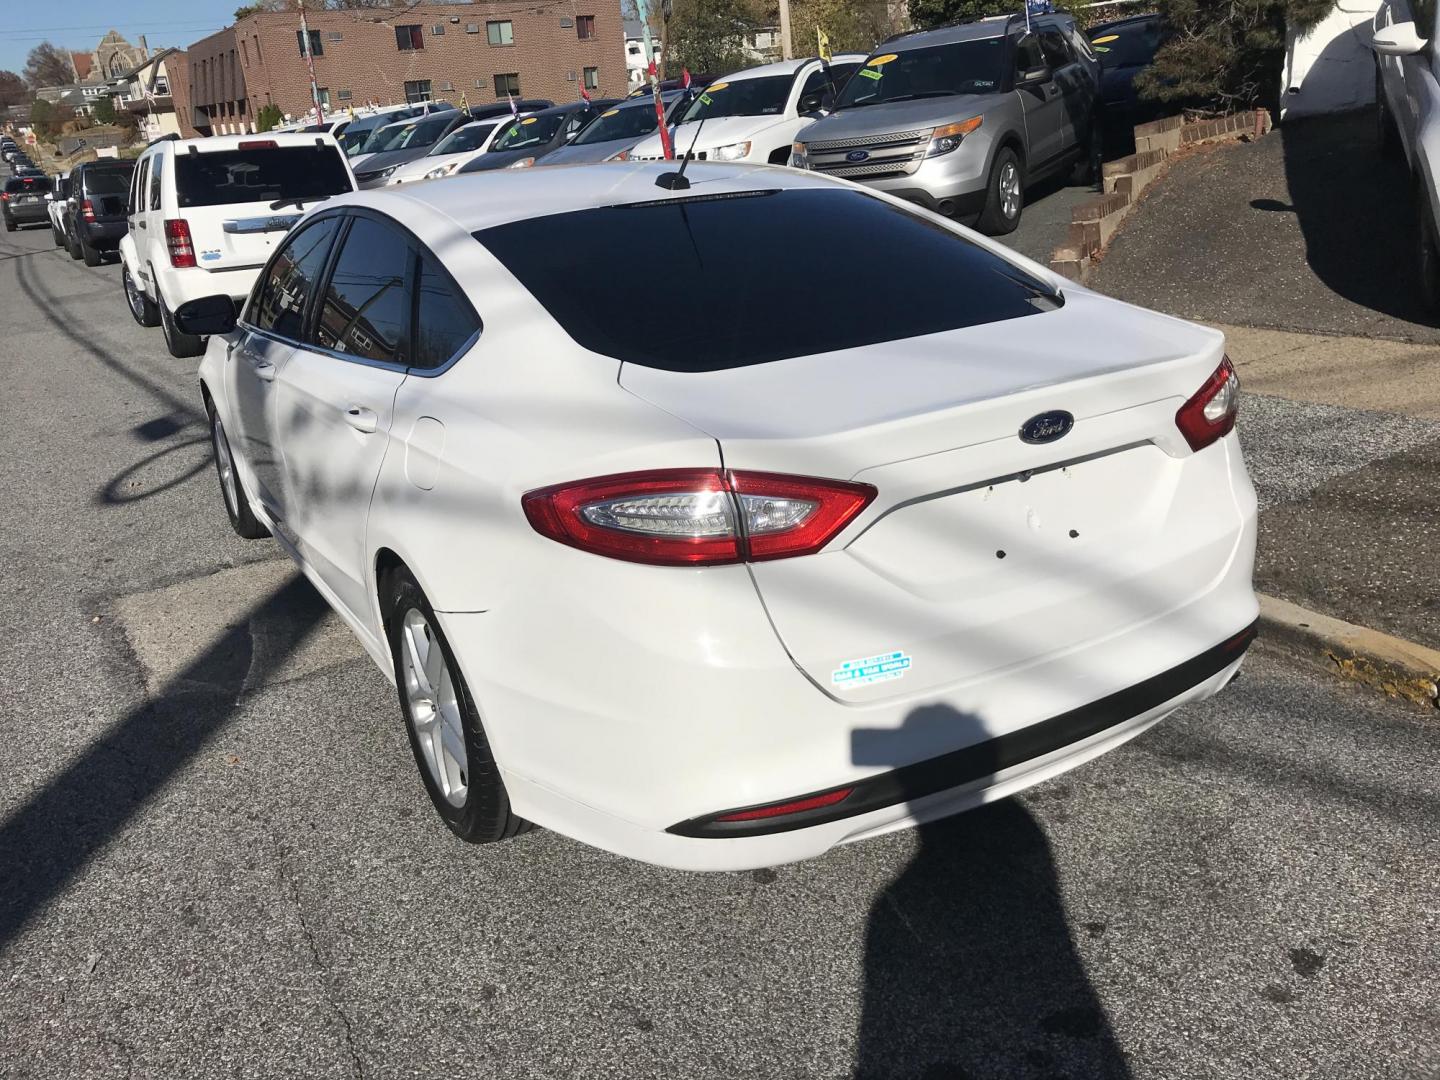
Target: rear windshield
107,181
961,67
261,175
902,276
27,185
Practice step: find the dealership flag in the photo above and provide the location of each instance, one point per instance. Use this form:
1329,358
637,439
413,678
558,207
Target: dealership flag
823,40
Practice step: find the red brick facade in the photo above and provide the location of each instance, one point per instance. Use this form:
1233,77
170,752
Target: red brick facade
258,61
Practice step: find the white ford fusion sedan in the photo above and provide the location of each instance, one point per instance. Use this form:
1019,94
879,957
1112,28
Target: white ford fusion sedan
843,519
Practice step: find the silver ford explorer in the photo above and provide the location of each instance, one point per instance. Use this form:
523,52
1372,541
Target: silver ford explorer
963,118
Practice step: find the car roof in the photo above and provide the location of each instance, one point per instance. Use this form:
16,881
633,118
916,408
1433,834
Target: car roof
993,26
475,201
1116,24
785,67
209,143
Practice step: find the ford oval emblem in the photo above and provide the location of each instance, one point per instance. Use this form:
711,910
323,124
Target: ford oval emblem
858,155
1047,427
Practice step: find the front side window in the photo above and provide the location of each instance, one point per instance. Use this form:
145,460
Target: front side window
279,304
444,319
500,32
917,277
960,67
409,37
264,174
1055,48
365,311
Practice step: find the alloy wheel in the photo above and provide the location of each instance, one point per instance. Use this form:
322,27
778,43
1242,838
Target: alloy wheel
429,690
225,465
133,297
1009,189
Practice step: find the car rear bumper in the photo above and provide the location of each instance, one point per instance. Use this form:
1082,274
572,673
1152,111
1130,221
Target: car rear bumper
27,213
181,286
634,711
104,235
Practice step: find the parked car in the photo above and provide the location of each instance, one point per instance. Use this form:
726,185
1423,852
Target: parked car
755,115
374,133
1406,97
408,140
465,142
96,208
612,134
709,629
530,139
23,201
963,118
205,214
55,206
1125,48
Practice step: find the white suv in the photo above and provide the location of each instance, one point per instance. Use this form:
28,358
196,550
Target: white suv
204,215
754,115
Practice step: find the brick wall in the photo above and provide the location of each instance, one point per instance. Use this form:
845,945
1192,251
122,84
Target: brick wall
359,60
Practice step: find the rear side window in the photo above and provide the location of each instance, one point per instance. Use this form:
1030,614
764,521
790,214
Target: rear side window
157,164
444,320
903,276
281,298
366,307
265,174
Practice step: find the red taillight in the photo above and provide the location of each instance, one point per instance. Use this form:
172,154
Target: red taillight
259,144
796,806
696,517
87,208
1210,414
4,196
177,238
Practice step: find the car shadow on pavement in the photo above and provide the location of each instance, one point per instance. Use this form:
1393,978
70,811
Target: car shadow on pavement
970,969
50,838
1356,211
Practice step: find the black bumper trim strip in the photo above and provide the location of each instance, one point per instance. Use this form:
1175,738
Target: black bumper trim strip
962,767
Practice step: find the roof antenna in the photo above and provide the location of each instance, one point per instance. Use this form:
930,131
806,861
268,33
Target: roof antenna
675,181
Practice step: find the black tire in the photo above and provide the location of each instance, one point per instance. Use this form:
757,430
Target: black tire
9,225
142,308
484,816
1089,167
1386,133
180,344
237,503
73,247
90,255
55,235
996,219
1427,253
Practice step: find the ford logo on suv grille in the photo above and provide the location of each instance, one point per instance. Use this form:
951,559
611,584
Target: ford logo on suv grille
858,155
1047,427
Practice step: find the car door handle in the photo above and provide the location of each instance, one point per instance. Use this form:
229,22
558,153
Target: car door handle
141,224
361,419
264,369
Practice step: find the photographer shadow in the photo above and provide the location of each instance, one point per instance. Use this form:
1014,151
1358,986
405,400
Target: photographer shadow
970,970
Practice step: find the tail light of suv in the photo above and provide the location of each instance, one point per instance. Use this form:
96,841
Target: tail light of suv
1210,414
177,239
87,210
696,517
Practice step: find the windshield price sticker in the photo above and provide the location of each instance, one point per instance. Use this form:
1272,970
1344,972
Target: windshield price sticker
612,112
881,61
528,120
871,73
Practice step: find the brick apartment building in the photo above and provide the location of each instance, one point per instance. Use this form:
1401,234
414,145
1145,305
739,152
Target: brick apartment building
411,53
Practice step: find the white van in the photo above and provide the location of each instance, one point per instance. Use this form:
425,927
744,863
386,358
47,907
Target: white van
204,215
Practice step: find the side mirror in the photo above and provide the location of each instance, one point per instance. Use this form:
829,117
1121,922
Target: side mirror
207,315
1398,39
1033,77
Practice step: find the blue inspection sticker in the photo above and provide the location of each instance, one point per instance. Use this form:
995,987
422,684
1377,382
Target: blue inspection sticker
870,669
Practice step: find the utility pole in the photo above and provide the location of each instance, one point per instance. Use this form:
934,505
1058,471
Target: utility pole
310,62
787,49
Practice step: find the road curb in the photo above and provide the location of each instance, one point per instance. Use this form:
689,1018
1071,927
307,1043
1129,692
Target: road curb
1394,666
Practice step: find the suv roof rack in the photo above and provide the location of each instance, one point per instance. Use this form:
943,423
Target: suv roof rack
1008,16
172,137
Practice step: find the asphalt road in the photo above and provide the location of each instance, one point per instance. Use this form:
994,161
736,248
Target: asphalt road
216,859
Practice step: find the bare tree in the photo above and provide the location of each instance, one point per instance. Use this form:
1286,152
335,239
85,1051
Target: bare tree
12,90
48,65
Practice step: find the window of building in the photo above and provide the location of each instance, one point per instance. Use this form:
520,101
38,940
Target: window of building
344,95
417,90
245,52
438,30
501,32
472,28
585,27
334,35
258,58
592,78
324,92
508,83
409,37
317,48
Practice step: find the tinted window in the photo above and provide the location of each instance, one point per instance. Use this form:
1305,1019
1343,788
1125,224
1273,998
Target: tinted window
156,164
366,308
280,301
908,276
961,67
764,96
1055,48
444,319
27,185
222,177
1028,56
106,181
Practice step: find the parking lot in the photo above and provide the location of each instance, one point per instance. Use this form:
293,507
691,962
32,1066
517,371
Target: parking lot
216,858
